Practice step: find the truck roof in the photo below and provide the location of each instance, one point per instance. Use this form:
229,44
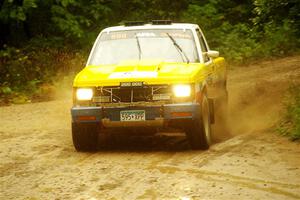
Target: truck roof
152,26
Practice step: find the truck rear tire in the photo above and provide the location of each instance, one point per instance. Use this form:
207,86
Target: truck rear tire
199,131
85,136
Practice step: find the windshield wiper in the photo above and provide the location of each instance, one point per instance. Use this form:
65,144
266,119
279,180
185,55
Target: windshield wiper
139,46
179,49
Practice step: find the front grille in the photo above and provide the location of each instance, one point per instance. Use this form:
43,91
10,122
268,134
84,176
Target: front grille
146,93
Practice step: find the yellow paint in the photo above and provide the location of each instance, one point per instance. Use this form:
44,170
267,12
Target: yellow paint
148,71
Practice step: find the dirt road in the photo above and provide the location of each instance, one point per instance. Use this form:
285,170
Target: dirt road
38,161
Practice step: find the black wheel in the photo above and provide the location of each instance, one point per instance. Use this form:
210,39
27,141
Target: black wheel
199,131
221,127
85,136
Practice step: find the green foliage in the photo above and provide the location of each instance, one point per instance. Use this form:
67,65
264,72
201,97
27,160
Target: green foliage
280,40
239,29
275,11
291,124
248,30
25,72
15,11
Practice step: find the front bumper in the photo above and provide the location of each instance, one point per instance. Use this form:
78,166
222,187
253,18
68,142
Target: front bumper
155,115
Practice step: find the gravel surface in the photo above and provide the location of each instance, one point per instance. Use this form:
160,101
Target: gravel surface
38,161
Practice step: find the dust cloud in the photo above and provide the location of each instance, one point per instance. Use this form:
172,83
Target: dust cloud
253,109
256,94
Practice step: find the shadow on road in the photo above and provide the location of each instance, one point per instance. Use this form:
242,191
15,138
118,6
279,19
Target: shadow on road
132,143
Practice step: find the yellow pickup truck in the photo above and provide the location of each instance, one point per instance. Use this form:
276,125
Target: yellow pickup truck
156,76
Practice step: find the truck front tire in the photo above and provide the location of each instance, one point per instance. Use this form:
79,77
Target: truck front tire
199,131
222,131
85,136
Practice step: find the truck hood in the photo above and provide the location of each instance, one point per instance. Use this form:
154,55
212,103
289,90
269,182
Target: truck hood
149,72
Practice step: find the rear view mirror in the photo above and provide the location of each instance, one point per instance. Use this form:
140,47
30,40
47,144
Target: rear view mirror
213,54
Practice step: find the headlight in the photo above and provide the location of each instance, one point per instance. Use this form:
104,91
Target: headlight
182,90
84,94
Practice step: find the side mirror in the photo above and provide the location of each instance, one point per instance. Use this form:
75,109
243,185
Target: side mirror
213,54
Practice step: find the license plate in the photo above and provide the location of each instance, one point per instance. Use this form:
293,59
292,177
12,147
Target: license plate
132,115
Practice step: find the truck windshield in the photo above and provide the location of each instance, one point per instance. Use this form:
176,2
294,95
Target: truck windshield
118,46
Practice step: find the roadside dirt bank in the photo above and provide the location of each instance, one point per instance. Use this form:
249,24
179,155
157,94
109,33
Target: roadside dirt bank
38,161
